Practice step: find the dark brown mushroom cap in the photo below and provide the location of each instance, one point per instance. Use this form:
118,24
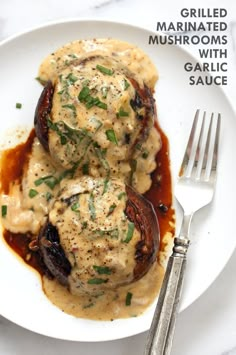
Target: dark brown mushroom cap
52,253
138,210
143,99
141,212
42,112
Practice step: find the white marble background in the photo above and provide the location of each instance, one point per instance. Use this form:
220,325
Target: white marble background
207,327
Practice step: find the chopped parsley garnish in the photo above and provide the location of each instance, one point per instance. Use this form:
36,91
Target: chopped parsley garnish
97,281
84,224
84,93
41,81
128,298
122,113
105,186
114,233
48,196
130,232
92,209
85,169
101,156
102,270
75,207
49,180
70,107
18,105
90,101
33,193
104,70
101,105
122,194
66,133
71,78
72,55
145,154
4,210
126,84
111,209
138,146
111,136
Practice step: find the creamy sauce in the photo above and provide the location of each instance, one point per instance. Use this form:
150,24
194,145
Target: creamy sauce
74,69
132,57
111,304
93,231
39,189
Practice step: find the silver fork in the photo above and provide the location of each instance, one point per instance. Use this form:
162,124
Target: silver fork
195,189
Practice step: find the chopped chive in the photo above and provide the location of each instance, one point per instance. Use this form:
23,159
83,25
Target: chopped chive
97,281
126,84
121,195
102,270
130,232
104,70
33,193
85,169
92,207
18,105
122,113
75,207
4,210
128,298
111,136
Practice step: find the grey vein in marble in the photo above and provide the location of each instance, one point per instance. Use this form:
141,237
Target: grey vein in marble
106,3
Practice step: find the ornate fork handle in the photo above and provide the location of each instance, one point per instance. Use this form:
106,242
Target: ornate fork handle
160,336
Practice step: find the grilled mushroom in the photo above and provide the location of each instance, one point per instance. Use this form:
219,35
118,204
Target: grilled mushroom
95,240
94,103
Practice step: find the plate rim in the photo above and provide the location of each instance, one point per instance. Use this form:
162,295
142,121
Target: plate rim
95,20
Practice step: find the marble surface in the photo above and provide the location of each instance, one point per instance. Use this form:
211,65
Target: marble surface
207,327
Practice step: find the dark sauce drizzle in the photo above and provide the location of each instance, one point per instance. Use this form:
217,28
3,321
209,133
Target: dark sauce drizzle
160,194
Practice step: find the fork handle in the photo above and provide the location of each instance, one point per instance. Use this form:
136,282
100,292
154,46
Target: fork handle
161,333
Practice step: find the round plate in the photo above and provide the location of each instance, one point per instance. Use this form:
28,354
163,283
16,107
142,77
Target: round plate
21,298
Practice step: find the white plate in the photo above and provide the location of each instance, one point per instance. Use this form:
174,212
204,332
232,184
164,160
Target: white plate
21,298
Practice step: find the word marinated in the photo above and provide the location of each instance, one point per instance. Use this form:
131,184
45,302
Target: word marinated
212,26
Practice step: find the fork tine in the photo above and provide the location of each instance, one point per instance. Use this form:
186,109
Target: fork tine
199,151
216,145
189,146
207,149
